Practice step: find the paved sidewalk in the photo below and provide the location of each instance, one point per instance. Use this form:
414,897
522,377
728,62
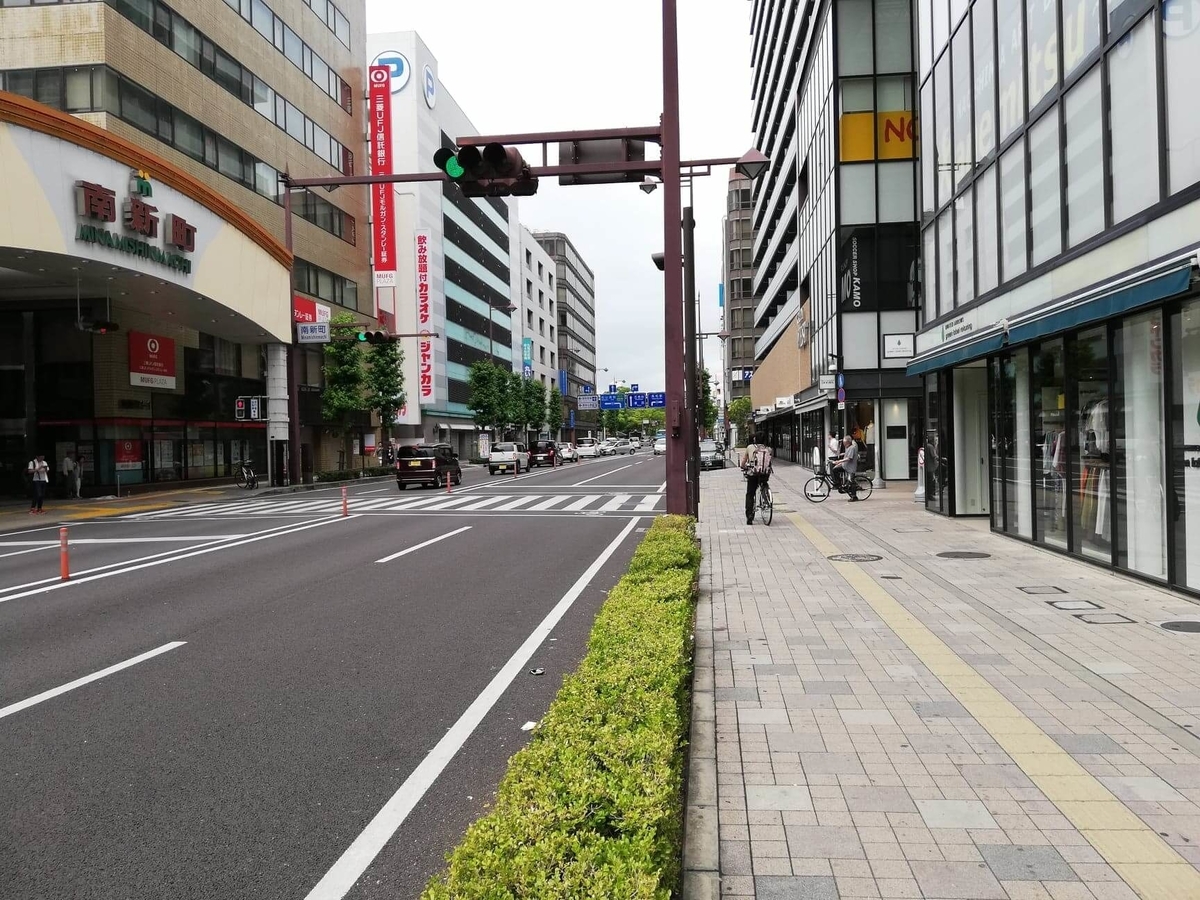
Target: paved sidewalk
1009,726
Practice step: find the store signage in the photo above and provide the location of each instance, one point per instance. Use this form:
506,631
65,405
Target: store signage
424,320
882,135
827,382
312,333
151,361
96,203
897,346
383,195
852,282
305,310
562,381
956,327
783,402
127,456
527,357
397,66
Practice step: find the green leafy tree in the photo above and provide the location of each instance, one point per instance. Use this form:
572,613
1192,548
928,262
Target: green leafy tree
487,385
343,399
708,407
739,412
533,405
385,384
554,413
513,398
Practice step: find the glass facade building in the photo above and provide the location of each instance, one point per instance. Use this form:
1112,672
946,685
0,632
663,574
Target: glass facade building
1060,215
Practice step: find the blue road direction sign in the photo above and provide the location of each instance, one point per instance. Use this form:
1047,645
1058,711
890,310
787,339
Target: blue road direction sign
612,388
636,401
570,418
634,388
841,382
611,400
587,388
841,395
658,399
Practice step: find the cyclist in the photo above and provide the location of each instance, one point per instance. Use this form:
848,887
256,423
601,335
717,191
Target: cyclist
849,467
756,466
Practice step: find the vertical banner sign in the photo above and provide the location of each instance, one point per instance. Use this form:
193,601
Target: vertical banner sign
424,319
527,357
151,361
383,195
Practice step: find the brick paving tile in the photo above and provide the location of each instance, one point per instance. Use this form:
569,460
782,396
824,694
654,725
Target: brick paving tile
939,732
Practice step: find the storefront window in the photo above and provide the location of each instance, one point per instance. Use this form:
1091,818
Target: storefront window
1137,460
983,18
987,260
1090,441
1045,222
1018,504
1181,59
1133,122
1085,159
937,447
1050,441
1185,450
999,428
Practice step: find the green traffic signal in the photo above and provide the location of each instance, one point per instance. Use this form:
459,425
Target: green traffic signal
447,161
453,169
361,337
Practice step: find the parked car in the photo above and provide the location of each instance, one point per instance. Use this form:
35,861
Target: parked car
606,447
711,456
568,453
588,448
543,453
660,446
508,456
636,440
427,464
621,446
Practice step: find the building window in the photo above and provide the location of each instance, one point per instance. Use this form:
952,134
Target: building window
963,126
1081,32
943,136
857,189
1012,69
541,354
540,270
551,357
929,273
1012,211
1085,159
896,201
964,236
928,169
529,317
1050,436
1091,445
1045,222
528,288
1181,61
541,326
1041,18
541,299
854,37
983,18
1133,122
893,36
528,260
945,227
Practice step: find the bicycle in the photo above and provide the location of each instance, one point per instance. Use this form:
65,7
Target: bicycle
766,503
818,488
246,477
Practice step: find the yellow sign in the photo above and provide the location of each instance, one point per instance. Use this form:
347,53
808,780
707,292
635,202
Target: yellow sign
896,133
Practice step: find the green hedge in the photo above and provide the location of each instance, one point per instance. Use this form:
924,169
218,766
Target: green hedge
593,806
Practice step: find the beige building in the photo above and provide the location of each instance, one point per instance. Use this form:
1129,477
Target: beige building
223,95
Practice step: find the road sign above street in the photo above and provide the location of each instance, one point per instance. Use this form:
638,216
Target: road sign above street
312,333
634,388
589,402
657,399
636,400
612,388
587,388
611,400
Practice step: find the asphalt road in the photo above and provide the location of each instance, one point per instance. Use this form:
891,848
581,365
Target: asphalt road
297,717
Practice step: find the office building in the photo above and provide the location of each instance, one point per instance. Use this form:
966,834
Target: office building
468,247
535,337
150,197
738,283
575,311
1060,338
835,231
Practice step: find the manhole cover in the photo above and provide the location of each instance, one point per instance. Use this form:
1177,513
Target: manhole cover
855,557
964,554
1189,627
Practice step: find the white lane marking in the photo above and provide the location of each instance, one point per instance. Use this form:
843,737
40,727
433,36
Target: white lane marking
413,504
29,584
549,502
129,540
615,503
582,503
520,501
488,501
35,530
597,477
352,863
415,547
88,679
45,546
371,504
648,503
662,487
450,504
375,491
171,556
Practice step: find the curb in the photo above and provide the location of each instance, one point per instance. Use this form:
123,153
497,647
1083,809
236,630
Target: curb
315,486
701,847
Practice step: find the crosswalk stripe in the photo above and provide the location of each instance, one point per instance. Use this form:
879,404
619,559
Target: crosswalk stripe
582,503
371,504
415,504
615,503
482,504
520,501
648,503
549,502
450,504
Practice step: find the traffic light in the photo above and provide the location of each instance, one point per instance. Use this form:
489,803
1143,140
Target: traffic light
239,408
376,337
491,171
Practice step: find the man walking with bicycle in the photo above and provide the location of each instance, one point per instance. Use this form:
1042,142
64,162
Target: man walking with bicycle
756,466
849,466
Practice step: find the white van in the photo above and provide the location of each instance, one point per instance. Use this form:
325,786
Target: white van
587,448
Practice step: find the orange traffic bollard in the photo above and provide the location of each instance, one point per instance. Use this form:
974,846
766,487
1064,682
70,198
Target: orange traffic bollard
64,557
345,506
448,481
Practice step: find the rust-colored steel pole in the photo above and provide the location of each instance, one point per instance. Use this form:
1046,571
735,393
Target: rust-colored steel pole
677,446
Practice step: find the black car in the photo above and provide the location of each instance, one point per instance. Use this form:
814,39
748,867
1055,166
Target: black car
712,455
543,453
429,464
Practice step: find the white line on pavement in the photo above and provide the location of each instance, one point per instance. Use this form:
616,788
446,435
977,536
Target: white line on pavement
352,863
615,503
662,487
129,540
609,472
42,545
415,547
87,679
169,556
375,491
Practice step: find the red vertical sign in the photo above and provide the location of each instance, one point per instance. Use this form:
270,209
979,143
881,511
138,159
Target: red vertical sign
382,198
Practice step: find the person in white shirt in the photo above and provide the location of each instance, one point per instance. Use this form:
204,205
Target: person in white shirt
70,474
834,448
39,472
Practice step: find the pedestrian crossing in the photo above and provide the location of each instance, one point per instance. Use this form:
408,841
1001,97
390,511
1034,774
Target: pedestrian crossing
516,504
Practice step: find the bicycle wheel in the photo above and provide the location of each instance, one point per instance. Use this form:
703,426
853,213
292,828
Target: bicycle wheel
241,478
252,482
816,489
766,505
863,484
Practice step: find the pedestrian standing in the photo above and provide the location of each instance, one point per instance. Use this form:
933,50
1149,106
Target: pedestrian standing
39,472
834,446
70,476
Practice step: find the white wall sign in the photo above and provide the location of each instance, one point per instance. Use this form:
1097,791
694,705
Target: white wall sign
897,346
399,66
827,382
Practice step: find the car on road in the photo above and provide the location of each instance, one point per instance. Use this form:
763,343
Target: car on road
508,456
636,440
606,446
427,464
543,453
568,453
711,456
588,448
621,446
660,446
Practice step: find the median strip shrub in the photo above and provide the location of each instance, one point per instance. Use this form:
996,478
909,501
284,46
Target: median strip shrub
593,806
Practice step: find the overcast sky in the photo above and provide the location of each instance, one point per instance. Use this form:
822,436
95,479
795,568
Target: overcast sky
539,65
